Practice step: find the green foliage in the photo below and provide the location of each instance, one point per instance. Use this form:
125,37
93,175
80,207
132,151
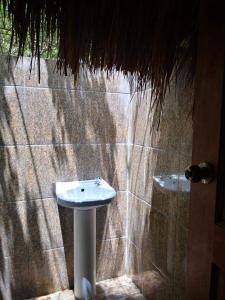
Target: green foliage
47,51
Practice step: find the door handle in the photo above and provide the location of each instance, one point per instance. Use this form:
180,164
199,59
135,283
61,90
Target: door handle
204,172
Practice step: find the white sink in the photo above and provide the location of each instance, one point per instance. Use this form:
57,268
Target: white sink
84,197
85,194
172,183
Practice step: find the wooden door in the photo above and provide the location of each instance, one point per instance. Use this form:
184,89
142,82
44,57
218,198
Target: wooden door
206,244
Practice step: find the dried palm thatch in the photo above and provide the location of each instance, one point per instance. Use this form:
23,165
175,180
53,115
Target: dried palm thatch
148,39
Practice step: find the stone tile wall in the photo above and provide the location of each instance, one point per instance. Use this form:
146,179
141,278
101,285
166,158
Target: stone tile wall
59,130
157,219
51,131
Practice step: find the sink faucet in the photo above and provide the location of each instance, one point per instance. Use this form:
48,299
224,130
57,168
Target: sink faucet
98,180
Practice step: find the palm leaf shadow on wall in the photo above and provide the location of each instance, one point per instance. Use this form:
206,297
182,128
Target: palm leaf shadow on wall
56,145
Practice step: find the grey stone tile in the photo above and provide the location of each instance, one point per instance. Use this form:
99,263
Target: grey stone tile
137,171
100,81
180,261
107,117
182,209
110,258
168,135
142,118
30,171
44,165
167,163
20,277
48,272
12,127
66,223
106,161
11,73
59,116
15,284
29,226
5,275
158,243
44,124
43,225
11,185
134,264
111,219
25,229
185,161
92,117
164,202
138,220
175,130
153,234
50,77
16,172
14,231
146,277
150,163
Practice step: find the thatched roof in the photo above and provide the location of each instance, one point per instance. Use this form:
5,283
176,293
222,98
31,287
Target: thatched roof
148,39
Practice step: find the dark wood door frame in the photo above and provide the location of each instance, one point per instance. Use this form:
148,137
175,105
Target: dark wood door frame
203,233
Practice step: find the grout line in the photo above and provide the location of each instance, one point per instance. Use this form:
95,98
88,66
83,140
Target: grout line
63,88
150,147
62,144
139,198
168,217
39,199
63,247
166,150
41,250
126,263
150,205
122,237
131,242
47,250
129,137
138,249
112,239
160,271
27,201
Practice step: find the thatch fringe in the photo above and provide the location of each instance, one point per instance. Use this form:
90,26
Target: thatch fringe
147,39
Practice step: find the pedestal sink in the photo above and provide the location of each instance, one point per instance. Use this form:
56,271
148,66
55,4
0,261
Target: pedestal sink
84,197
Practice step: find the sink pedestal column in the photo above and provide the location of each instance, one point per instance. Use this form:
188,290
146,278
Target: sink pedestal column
84,253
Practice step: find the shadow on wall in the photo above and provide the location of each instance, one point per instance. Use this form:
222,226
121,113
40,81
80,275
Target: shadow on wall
87,125
18,242
81,146
158,219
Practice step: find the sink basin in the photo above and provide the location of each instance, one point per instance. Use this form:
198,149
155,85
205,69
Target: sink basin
85,194
84,197
172,183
